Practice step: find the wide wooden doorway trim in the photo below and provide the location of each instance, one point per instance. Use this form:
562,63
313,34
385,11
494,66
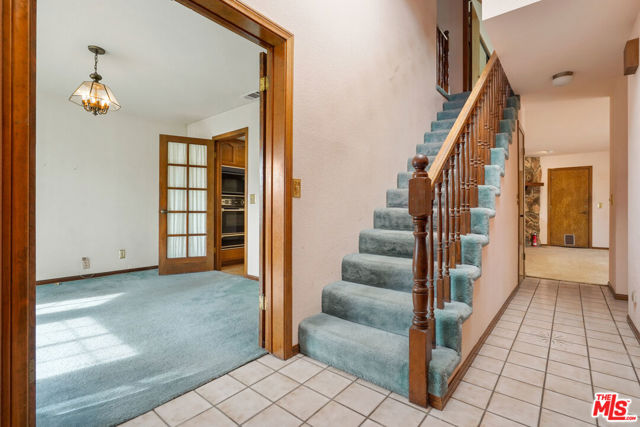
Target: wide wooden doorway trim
590,198
17,187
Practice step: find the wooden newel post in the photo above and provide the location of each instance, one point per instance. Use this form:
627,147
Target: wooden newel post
420,334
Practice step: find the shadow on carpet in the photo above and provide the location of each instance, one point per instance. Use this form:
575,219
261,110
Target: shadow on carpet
111,348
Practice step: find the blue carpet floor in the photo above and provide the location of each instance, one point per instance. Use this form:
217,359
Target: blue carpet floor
114,347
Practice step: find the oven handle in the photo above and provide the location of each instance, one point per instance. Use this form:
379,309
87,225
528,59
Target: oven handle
232,209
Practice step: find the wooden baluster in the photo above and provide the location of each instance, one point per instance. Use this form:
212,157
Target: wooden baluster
457,200
431,277
439,247
481,137
450,224
422,331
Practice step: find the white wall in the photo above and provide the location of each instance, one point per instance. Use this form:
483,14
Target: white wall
634,183
618,209
96,188
600,192
363,96
238,118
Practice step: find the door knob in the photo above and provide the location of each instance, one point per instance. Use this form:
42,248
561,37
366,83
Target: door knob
163,211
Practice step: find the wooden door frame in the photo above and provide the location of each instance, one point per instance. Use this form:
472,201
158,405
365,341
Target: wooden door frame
17,188
590,169
218,222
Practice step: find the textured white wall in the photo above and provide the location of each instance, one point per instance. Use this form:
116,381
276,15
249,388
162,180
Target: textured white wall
634,183
364,94
238,118
599,192
96,188
618,210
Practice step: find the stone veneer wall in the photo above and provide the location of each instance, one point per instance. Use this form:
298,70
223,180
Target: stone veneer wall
532,173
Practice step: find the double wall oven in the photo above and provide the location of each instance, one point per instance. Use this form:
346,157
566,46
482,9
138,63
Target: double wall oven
232,207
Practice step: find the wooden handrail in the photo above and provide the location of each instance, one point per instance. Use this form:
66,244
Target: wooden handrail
440,203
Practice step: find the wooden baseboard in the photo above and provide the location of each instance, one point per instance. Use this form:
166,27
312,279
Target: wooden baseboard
599,247
248,276
620,297
440,402
93,275
295,349
633,328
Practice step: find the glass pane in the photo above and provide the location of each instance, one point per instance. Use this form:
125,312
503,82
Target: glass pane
176,223
176,247
197,246
177,153
198,154
177,176
197,177
197,223
177,200
197,200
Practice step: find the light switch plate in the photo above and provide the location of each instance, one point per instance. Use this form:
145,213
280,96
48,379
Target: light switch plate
252,199
297,188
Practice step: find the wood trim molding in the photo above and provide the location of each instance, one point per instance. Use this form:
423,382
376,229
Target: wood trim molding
17,218
93,275
439,402
633,328
250,277
621,297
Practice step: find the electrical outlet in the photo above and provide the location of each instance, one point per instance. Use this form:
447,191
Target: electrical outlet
123,253
252,199
86,263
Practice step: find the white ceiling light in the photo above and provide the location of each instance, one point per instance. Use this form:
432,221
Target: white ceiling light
563,78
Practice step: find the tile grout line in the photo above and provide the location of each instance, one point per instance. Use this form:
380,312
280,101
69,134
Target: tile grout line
484,412
546,366
586,339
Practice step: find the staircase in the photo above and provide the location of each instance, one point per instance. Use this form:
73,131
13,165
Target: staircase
366,317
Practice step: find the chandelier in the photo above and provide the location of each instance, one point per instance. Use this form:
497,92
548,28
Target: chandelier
94,96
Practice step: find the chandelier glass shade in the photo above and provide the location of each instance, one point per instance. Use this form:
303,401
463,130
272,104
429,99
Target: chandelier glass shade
93,96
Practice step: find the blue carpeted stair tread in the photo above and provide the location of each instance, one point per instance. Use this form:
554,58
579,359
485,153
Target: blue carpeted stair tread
375,355
442,124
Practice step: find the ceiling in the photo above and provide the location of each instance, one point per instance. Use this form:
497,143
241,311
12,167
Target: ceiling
163,62
549,36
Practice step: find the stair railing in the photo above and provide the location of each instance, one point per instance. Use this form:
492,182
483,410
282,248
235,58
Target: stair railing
440,203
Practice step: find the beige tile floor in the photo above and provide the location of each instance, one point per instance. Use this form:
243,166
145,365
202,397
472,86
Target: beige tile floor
555,345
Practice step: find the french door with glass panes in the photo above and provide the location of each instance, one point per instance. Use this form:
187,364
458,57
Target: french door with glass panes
186,242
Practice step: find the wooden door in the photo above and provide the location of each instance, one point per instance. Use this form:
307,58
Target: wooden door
186,242
569,206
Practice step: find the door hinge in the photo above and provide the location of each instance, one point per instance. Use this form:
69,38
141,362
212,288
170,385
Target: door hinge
264,84
261,302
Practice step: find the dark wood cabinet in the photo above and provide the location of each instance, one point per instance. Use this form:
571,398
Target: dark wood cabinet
232,153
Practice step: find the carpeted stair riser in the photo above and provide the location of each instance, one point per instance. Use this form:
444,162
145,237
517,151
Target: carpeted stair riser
453,105
439,125
367,315
391,311
498,157
448,114
392,219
